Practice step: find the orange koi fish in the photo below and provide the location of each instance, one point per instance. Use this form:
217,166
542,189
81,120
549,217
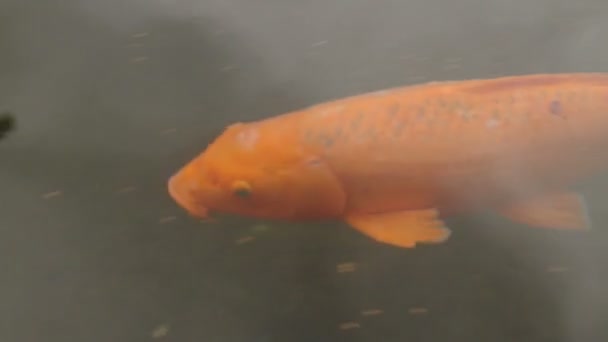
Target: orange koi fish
393,163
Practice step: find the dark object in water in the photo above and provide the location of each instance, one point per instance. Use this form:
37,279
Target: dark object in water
7,124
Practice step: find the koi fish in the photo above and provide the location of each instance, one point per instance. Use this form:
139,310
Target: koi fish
393,164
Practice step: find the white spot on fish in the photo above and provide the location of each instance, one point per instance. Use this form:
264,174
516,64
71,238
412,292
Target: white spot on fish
492,123
248,138
313,162
328,110
465,113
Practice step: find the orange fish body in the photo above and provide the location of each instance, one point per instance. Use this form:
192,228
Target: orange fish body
391,163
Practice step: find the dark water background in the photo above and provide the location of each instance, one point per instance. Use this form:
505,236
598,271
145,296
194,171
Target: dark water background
112,96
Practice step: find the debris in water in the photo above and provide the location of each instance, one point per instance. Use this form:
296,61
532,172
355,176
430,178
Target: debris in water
52,194
160,331
244,240
349,325
140,35
125,190
323,42
418,311
371,312
556,269
228,68
167,219
346,267
168,131
139,59
260,228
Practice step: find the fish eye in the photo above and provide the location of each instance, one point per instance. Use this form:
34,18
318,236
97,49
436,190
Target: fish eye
241,189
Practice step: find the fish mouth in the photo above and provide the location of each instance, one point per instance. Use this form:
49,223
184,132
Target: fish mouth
184,201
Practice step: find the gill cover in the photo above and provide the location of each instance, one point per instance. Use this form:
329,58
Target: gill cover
313,190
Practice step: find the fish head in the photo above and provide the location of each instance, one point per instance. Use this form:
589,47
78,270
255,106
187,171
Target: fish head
250,173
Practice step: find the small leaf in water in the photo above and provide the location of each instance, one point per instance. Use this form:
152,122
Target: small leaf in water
346,267
51,194
418,311
371,312
167,219
349,325
244,240
160,331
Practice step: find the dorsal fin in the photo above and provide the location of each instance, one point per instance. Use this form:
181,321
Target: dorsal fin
539,80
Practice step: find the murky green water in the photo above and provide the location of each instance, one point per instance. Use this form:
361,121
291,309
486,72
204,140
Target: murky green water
113,96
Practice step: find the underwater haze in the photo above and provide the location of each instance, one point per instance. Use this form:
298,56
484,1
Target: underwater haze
111,97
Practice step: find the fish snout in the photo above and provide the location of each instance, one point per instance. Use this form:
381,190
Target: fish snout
182,195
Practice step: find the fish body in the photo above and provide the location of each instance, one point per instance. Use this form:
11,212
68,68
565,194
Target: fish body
392,163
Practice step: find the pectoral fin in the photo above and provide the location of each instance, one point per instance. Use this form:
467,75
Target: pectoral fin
555,211
402,228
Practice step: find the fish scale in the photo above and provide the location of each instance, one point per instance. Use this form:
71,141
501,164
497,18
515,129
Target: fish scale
460,124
